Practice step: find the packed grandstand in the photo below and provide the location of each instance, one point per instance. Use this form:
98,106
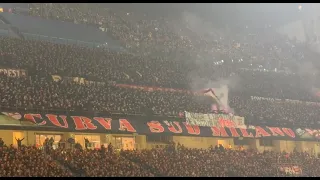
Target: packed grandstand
168,95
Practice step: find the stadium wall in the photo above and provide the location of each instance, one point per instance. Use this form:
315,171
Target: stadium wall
130,133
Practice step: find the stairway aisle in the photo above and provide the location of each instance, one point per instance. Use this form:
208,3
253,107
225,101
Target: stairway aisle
61,165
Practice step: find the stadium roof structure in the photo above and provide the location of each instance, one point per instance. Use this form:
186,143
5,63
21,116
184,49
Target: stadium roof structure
276,14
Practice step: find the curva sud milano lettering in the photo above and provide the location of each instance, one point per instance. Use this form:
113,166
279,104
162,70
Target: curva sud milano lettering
53,122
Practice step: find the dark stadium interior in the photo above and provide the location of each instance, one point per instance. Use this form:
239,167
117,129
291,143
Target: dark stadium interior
169,90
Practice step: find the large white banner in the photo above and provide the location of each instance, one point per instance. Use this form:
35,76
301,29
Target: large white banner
217,120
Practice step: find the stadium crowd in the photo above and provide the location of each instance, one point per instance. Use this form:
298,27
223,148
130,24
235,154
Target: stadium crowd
218,162
98,163
222,162
40,93
37,89
167,53
95,64
29,161
281,113
179,162
145,34
262,45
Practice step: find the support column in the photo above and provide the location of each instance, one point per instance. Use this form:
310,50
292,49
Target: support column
141,142
279,146
299,146
316,149
254,144
103,139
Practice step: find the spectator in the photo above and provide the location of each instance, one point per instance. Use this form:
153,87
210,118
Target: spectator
86,143
19,142
62,144
51,141
110,148
1,142
78,146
